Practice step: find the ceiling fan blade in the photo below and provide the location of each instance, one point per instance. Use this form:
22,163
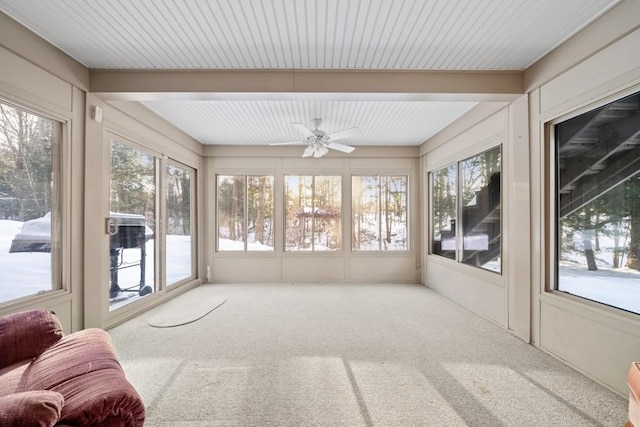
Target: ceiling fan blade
309,151
340,147
342,134
288,143
320,151
305,130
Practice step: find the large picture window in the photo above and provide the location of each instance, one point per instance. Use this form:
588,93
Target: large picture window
379,213
245,213
313,213
30,215
468,191
597,195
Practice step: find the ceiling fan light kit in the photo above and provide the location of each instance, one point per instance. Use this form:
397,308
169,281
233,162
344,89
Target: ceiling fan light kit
319,142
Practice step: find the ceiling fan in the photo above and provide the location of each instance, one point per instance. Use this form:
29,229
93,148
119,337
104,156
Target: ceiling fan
319,142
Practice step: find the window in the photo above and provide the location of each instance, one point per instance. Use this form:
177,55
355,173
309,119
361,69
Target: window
597,195
132,254
379,213
30,195
180,225
313,213
469,190
245,213
443,219
481,220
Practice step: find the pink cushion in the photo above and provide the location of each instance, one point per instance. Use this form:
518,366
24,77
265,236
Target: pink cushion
83,368
40,408
26,334
10,377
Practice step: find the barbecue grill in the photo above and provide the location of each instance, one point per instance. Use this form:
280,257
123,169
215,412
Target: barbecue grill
126,231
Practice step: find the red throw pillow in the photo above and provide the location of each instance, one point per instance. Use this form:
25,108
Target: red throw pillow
37,408
27,334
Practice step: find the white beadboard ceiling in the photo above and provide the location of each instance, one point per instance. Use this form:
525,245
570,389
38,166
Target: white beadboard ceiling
379,122
306,34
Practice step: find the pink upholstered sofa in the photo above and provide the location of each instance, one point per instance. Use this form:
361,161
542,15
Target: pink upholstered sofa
48,378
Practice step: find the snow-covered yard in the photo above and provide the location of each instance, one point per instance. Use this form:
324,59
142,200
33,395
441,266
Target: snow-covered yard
21,273
617,287
29,273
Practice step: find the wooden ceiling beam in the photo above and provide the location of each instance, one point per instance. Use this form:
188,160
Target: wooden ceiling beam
145,85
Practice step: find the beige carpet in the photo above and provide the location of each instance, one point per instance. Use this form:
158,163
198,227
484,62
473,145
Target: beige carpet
350,355
186,308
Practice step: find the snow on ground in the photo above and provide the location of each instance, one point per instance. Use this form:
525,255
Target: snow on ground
28,273
618,288
178,268
23,273
233,245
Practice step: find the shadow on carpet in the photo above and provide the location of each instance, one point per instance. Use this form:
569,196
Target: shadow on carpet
187,308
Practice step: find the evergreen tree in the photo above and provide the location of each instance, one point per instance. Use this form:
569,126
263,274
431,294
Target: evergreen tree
133,177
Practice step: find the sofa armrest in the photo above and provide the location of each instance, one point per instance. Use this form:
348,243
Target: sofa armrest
27,334
83,368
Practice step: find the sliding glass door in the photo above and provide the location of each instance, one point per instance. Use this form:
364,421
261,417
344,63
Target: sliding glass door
151,223
132,224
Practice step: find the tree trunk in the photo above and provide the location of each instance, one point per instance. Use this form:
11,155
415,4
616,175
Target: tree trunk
597,234
234,211
259,230
588,250
616,246
633,258
185,198
587,235
356,214
386,209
